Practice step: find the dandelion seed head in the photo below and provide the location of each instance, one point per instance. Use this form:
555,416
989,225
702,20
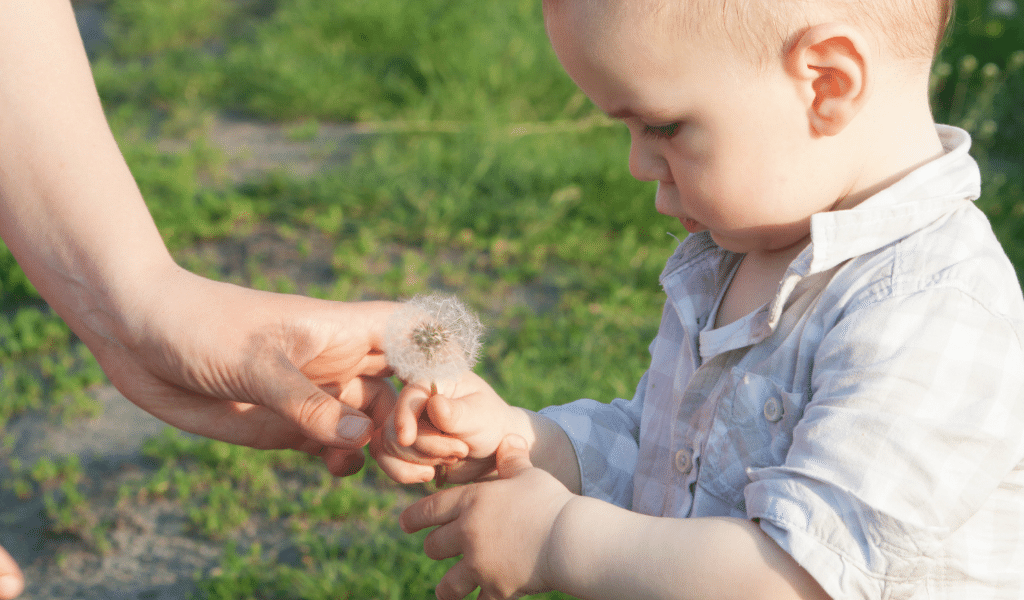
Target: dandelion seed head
432,337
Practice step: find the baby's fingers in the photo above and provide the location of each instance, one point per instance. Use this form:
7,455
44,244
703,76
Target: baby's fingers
429,447
408,464
457,583
434,510
445,414
408,410
401,464
465,419
433,443
405,472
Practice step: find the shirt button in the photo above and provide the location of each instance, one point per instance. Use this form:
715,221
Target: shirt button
683,462
773,410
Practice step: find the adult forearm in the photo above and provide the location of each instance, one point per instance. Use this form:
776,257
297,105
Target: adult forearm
70,210
601,551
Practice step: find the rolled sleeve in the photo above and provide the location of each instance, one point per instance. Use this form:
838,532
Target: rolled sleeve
852,549
606,440
916,416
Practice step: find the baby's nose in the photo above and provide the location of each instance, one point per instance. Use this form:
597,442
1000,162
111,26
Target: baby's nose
645,162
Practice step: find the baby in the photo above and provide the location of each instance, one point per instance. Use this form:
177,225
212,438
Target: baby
835,401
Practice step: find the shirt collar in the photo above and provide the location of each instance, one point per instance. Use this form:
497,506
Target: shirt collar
916,200
920,198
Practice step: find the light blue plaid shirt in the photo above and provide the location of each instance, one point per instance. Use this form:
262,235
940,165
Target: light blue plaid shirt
871,417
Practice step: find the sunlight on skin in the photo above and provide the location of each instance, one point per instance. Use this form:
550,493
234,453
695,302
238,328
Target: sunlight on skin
12,582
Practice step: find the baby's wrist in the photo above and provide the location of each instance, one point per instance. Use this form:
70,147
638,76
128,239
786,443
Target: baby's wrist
519,421
560,569
551,450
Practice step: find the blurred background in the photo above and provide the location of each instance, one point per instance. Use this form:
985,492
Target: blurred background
358,150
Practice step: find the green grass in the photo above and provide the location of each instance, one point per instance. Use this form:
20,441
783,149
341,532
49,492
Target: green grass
485,173
361,60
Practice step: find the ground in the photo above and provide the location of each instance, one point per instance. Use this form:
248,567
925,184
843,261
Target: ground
153,555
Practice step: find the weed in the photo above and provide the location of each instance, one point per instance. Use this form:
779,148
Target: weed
61,483
485,173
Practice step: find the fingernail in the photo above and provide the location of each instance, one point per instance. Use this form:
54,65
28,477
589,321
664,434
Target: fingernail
353,428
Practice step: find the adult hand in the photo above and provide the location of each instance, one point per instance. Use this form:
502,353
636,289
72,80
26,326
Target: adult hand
237,365
248,367
501,528
12,582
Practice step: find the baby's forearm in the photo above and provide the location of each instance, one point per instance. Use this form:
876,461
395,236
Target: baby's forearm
601,551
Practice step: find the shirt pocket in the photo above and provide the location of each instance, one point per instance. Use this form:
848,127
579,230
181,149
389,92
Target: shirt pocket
752,428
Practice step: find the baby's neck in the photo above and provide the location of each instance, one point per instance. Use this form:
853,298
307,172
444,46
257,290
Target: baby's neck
756,281
898,135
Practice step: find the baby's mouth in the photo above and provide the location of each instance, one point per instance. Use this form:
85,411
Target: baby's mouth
691,225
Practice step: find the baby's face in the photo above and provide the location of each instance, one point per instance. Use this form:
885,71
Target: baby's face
730,147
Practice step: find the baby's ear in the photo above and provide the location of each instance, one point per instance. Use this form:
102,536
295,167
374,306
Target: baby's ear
832,65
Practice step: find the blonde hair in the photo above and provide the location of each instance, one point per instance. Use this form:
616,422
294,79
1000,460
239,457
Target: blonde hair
910,30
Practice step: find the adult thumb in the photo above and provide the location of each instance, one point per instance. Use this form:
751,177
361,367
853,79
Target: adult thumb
512,456
322,417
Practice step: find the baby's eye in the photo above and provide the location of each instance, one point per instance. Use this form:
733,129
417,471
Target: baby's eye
661,132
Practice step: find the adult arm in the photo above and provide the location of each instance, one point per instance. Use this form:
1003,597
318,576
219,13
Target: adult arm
219,360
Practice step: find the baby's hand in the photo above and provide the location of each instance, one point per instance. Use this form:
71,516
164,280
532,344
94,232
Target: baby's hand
414,441
501,528
418,462
410,463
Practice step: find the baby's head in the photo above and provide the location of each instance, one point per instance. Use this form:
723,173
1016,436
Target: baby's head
755,114
903,29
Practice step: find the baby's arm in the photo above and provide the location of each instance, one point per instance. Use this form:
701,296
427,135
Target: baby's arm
469,411
526,533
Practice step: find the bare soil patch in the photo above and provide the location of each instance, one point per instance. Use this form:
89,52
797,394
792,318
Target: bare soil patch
153,555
